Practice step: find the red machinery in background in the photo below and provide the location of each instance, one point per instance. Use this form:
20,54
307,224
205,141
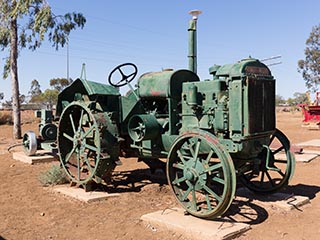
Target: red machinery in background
311,113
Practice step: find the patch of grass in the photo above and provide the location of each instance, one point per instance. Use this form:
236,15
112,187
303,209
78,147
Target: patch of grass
54,176
5,118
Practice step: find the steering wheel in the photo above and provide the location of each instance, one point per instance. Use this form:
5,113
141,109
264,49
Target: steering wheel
125,77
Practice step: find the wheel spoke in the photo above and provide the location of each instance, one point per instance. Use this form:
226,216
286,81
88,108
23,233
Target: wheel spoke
209,156
208,202
194,199
78,164
280,161
281,173
186,193
72,123
80,120
270,179
196,151
92,148
272,138
190,147
219,180
88,132
70,154
67,136
208,190
179,180
262,178
180,155
278,150
213,167
88,163
178,165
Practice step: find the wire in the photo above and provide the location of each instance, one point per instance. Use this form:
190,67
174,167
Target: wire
13,146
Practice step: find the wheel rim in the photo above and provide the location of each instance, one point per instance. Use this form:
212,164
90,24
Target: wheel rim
201,174
276,167
29,142
79,143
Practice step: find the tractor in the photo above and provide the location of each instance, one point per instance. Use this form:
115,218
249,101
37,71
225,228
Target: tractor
209,133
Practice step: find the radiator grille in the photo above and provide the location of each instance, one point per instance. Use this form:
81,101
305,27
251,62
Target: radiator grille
261,100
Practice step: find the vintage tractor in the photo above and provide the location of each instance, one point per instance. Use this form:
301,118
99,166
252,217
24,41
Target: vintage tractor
210,132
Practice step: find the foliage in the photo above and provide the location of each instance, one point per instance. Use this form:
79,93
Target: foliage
5,118
1,96
8,103
60,83
298,98
24,24
35,91
280,100
50,97
310,67
55,175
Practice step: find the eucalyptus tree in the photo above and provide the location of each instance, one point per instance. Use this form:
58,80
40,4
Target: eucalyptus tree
25,24
310,66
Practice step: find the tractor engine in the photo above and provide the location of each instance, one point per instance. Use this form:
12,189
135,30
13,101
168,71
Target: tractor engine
154,130
237,106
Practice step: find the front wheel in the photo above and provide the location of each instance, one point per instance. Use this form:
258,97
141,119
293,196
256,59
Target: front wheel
201,174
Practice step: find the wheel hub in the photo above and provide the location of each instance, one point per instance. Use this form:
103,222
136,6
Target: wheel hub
191,175
194,173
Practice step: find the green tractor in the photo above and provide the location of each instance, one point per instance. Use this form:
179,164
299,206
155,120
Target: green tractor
211,133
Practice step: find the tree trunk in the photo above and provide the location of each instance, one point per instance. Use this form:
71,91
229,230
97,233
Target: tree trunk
14,79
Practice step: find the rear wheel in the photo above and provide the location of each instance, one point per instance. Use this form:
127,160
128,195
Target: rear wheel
201,174
273,167
79,143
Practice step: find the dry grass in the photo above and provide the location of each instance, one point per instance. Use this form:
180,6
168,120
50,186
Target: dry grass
27,116
5,117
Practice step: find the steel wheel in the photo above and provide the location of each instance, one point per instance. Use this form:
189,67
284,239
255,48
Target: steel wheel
275,169
79,143
201,174
29,142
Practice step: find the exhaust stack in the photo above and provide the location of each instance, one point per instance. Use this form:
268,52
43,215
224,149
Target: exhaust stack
193,40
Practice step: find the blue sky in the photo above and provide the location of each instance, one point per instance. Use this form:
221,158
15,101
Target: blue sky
153,35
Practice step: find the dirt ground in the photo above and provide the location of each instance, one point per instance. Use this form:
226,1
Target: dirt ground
31,211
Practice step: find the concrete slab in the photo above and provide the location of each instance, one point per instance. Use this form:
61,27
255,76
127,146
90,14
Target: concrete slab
311,151
300,157
80,194
281,201
311,143
192,227
42,156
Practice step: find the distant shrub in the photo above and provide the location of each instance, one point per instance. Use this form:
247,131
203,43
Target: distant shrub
5,118
54,176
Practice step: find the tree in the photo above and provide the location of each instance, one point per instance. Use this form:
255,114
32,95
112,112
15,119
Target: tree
301,98
280,100
50,97
35,91
60,83
35,20
310,67
9,103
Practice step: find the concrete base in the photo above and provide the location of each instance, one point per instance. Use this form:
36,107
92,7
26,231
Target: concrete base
192,227
311,143
281,201
42,156
300,157
80,194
